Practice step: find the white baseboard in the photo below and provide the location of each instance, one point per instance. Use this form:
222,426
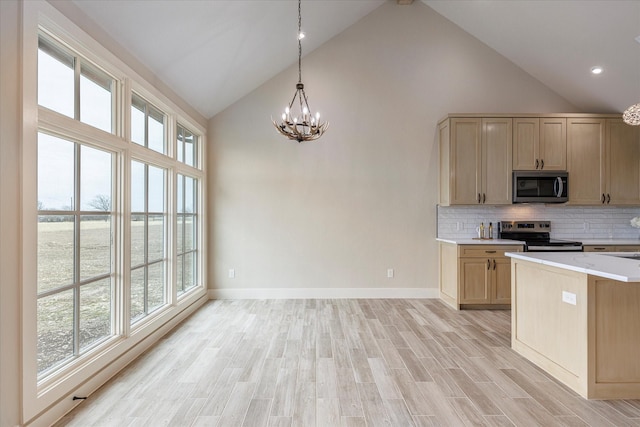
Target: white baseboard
323,293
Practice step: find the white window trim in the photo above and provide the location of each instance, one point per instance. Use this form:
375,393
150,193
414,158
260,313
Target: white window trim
43,403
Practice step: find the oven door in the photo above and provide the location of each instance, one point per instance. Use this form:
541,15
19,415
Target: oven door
540,187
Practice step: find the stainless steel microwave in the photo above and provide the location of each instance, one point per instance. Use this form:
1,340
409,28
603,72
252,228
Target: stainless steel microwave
540,187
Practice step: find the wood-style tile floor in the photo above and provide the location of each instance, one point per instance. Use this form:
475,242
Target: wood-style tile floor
340,363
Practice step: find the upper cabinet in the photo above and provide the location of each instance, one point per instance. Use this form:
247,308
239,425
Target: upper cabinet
585,153
603,162
539,143
622,164
475,161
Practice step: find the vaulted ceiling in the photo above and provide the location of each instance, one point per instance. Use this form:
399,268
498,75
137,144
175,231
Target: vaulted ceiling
212,53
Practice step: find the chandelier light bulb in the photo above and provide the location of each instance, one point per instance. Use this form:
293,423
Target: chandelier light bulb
301,35
631,115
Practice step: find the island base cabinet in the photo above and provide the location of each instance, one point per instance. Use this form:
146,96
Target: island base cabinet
583,330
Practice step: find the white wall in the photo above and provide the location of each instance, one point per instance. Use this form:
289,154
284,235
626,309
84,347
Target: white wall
337,213
9,213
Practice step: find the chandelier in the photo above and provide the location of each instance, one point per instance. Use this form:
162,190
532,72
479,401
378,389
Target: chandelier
300,125
631,115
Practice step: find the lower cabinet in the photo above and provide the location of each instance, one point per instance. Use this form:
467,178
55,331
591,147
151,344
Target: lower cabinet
476,275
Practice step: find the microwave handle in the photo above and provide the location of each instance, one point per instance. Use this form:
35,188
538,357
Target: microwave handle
560,186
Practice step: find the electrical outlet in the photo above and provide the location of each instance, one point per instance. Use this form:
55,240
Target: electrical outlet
232,273
569,298
459,226
585,225
390,273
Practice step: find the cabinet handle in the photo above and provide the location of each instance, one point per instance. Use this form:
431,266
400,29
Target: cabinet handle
541,164
488,264
608,198
603,198
599,249
494,264
480,200
484,197
489,252
537,163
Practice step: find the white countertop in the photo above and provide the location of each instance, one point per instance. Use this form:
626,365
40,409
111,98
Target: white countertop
470,241
597,264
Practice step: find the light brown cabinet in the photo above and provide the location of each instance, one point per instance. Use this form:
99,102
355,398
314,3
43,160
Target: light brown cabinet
476,275
611,248
539,143
603,162
475,161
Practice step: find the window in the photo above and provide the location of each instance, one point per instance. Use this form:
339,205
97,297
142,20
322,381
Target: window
187,147
75,250
71,86
101,252
147,125
187,243
148,239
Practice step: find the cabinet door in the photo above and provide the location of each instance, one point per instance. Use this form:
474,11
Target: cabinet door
496,161
474,280
465,161
501,281
526,141
585,154
622,171
553,144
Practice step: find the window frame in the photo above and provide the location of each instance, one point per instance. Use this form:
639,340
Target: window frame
165,260
55,46
78,281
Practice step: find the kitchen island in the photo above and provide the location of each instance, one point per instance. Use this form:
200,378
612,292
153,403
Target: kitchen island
577,316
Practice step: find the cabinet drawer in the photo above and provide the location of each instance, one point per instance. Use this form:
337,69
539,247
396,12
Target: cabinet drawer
599,248
611,248
628,248
484,251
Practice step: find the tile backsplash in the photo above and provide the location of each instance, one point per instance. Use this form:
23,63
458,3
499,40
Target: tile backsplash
567,222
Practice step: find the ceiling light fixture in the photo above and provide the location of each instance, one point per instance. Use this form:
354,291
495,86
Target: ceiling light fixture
596,70
302,125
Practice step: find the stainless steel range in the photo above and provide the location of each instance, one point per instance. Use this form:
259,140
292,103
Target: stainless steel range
536,235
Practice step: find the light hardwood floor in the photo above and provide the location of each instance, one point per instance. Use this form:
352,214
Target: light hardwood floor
340,363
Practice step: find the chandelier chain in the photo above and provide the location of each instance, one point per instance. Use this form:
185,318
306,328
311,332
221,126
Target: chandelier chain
299,41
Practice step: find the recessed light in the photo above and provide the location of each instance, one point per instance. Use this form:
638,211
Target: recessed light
596,70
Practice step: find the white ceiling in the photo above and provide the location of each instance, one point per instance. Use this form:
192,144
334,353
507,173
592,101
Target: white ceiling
212,53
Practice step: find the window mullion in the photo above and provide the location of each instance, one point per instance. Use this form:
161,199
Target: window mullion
77,69
146,238
75,206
